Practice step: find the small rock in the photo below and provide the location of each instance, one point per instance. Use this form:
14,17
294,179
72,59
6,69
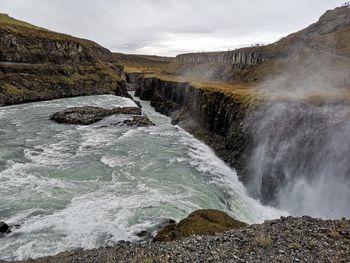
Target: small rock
139,121
142,233
4,228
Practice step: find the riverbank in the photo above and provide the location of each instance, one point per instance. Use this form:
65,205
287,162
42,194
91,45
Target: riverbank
283,240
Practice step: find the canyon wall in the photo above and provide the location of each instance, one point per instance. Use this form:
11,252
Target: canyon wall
38,64
258,139
22,49
243,56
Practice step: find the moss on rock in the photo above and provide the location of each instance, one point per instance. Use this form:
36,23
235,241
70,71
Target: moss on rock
199,222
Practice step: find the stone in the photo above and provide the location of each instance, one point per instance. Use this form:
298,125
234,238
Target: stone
89,114
199,222
4,228
139,121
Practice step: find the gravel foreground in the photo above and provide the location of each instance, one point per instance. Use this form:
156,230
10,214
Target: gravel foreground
283,240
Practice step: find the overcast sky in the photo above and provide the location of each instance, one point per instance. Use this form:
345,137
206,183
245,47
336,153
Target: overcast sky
170,27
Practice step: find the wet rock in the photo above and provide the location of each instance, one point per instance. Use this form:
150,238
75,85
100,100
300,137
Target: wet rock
128,110
143,233
139,121
149,233
4,228
90,114
137,102
200,222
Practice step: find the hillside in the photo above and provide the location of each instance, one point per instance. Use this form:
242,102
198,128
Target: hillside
38,64
140,63
322,47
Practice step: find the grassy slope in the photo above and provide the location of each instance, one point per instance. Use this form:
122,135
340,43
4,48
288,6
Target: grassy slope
15,26
141,63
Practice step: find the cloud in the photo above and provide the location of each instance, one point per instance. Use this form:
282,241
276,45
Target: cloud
166,27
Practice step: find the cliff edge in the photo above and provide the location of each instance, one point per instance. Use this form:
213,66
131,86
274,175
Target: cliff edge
38,64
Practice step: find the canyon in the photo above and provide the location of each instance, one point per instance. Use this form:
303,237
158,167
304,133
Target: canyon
277,114
240,118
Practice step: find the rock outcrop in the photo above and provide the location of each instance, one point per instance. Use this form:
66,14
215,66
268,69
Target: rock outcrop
90,114
199,222
239,57
38,64
139,121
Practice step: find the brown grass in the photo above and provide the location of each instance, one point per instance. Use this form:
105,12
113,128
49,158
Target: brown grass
19,27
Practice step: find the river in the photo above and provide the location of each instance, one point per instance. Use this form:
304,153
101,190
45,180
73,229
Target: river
67,186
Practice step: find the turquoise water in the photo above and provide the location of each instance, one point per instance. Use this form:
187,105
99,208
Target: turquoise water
88,186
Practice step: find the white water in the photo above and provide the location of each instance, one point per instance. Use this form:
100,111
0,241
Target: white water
88,186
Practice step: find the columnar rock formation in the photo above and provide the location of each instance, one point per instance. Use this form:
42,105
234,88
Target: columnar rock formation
243,56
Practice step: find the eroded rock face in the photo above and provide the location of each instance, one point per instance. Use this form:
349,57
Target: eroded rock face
244,56
200,222
38,64
90,114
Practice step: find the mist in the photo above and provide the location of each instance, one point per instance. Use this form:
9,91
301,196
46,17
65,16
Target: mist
300,150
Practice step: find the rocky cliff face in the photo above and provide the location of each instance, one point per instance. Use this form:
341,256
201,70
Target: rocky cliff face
23,49
258,139
38,64
239,57
329,34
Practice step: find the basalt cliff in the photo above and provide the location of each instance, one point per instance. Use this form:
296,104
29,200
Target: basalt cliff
38,64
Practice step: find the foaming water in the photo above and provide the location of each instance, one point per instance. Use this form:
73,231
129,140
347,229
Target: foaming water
88,186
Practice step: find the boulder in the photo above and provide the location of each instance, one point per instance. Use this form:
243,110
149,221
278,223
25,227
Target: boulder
199,222
89,114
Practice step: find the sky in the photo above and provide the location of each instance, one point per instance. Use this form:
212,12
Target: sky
171,27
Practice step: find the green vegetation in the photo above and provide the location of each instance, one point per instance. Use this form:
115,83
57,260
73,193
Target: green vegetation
200,222
8,88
